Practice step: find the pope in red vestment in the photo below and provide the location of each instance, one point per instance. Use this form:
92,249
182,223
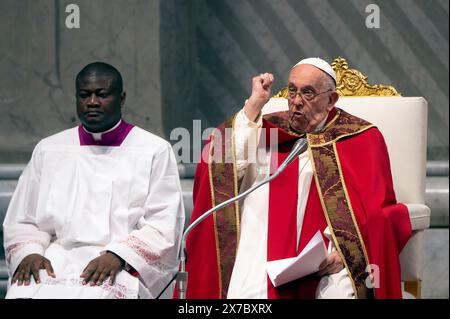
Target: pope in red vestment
351,193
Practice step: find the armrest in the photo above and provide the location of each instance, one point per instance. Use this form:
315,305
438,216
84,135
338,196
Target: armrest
412,255
419,215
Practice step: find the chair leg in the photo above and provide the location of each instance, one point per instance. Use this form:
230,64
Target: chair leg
414,288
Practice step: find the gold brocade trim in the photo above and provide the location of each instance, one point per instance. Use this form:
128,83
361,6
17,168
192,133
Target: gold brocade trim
344,186
334,167
217,196
235,181
322,147
216,235
330,227
342,136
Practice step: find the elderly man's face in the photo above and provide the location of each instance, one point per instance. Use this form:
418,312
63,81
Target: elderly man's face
99,104
304,115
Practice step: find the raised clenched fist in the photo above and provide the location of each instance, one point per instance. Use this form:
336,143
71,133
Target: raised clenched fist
261,94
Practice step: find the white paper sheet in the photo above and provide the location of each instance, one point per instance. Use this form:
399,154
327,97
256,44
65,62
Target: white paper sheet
307,262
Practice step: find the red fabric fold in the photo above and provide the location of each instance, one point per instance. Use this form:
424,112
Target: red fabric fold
384,224
201,262
282,225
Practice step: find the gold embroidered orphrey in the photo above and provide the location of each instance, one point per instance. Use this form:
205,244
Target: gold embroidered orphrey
223,186
334,198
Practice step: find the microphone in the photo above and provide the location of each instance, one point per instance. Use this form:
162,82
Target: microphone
182,277
298,148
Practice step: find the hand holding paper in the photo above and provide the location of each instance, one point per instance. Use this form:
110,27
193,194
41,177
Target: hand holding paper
307,262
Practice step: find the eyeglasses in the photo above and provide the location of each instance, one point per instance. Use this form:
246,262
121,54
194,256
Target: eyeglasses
308,95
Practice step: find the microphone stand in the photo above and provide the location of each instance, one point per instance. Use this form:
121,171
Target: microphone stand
182,277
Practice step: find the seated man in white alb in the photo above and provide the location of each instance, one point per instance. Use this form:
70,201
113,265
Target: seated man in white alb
98,211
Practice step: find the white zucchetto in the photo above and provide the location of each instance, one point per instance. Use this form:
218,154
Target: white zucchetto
320,64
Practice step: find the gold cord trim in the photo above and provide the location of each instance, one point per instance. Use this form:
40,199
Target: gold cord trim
236,190
330,227
213,200
347,197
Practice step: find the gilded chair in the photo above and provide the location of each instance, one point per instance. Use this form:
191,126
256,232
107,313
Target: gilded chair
403,123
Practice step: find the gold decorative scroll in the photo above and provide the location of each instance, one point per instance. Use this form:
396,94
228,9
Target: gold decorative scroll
283,93
351,82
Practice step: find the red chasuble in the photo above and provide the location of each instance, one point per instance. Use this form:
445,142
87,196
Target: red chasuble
352,193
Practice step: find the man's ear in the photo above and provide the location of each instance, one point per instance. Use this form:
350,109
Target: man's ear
334,97
123,97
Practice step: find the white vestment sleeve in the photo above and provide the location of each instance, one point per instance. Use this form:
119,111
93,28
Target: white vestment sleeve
152,249
246,141
22,236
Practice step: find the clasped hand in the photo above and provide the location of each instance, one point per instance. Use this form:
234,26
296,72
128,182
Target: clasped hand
95,273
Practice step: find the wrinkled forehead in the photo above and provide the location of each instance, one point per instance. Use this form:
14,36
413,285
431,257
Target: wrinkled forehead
306,75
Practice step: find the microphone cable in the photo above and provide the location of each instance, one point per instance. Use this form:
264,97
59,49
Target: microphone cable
167,286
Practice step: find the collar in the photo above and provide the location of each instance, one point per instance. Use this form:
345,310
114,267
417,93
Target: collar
112,137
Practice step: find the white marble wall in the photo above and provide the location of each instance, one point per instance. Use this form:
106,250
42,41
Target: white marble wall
40,57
